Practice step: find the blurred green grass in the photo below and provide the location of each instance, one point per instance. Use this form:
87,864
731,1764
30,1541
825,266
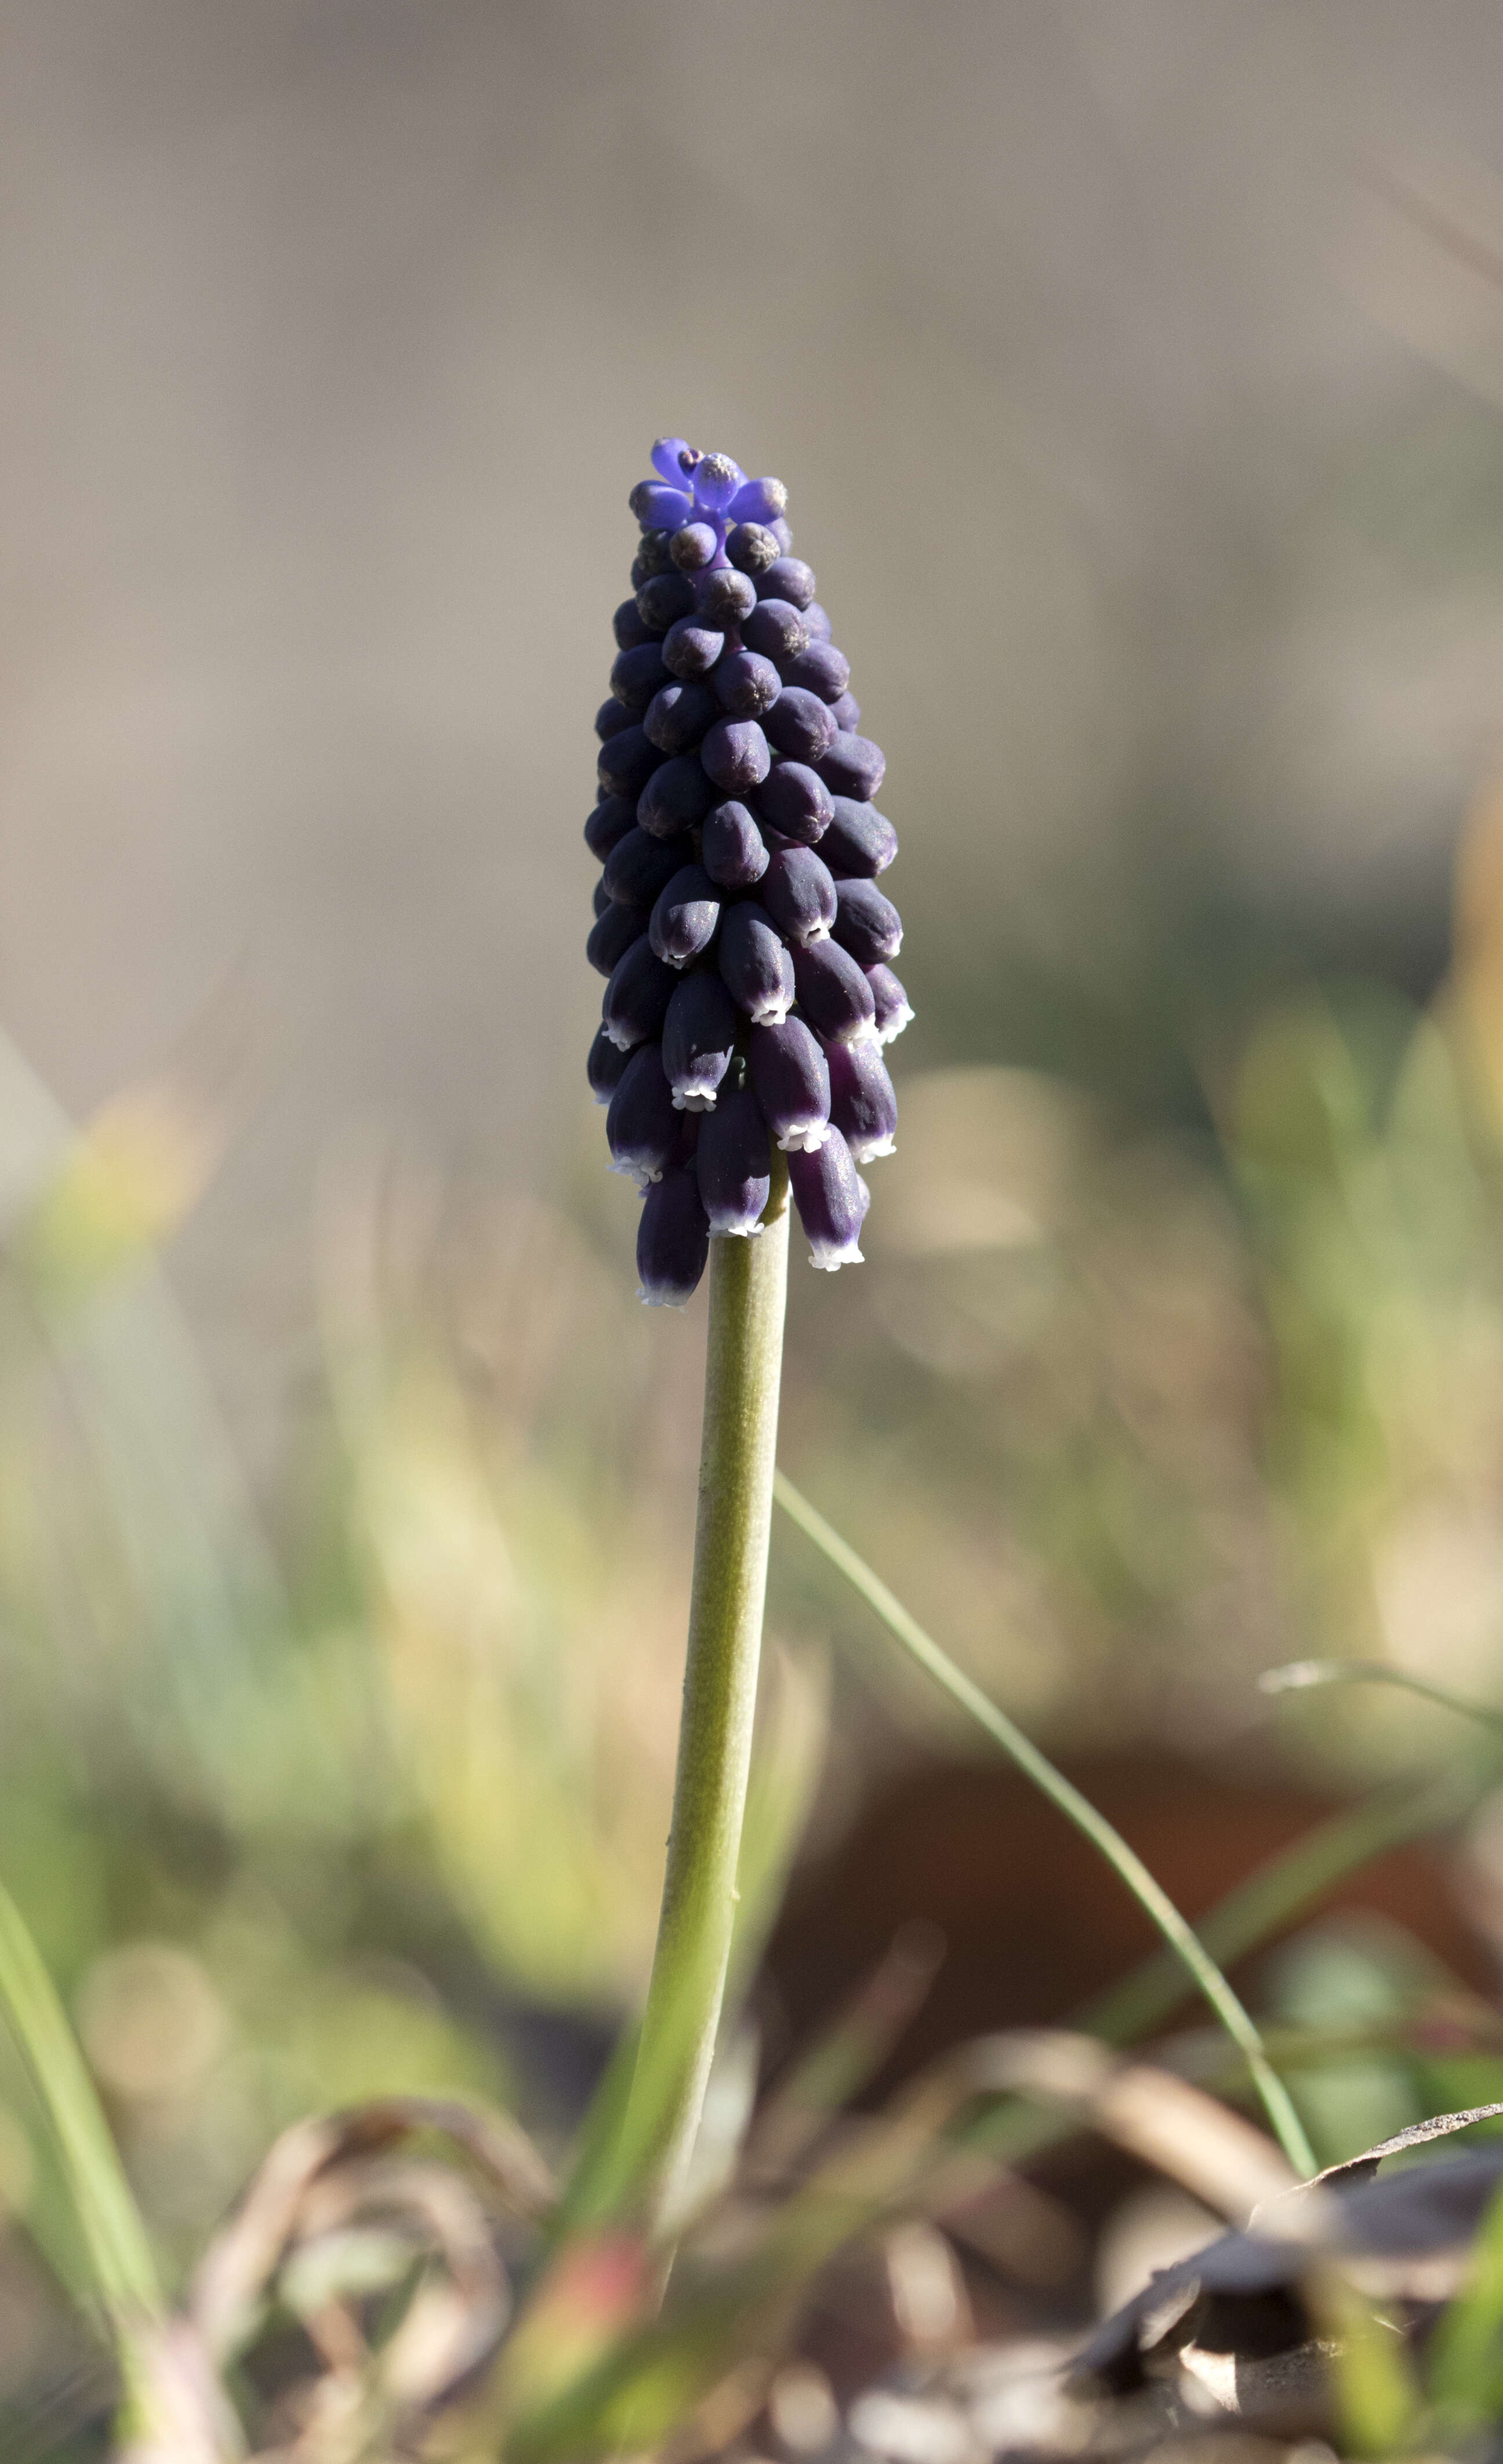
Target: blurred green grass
357,1783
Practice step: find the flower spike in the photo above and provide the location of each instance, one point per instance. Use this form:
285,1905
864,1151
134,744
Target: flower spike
737,917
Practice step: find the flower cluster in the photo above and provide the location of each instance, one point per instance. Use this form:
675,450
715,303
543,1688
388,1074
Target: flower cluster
737,917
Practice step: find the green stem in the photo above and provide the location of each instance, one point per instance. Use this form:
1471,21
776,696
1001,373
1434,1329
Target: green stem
748,1281
1151,1897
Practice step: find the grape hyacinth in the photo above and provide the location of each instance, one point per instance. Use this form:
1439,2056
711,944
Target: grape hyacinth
739,920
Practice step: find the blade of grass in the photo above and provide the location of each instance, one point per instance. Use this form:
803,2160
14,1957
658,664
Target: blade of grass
1124,1861
1304,1675
110,2222
1277,1891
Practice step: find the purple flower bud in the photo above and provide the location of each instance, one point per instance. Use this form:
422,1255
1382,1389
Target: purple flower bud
734,1163
783,535
684,920
678,716
605,1066
735,755
862,1104
847,714
638,867
636,675
722,597
860,841
833,992
668,459
827,1190
652,557
730,847
717,481
818,622
853,766
790,1079
787,577
660,507
746,685
674,798
893,1008
610,720
609,824
800,725
697,544
821,669
637,997
691,650
663,599
776,630
761,500
673,1241
866,924
599,899
627,762
612,934
799,894
642,1128
794,802
751,547
755,968
698,1038
628,626
833,1202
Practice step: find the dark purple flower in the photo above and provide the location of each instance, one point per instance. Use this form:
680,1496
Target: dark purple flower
698,1040
859,842
639,867
853,766
799,894
833,992
794,800
677,715
691,650
605,1066
676,797
790,1079
862,1104
787,577
821,669
611,936
866,924
637,998
673,1240
801,725
755,968
685,918
827,1192
893,1009
776,630
627,762
746,684
748,994
732,848
734,1164
642,1128
636,675
609,822
751,547
735,755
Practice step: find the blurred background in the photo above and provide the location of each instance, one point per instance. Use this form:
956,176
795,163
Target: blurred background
1136,367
